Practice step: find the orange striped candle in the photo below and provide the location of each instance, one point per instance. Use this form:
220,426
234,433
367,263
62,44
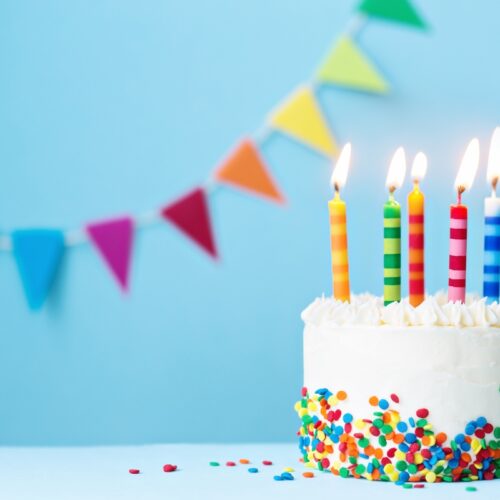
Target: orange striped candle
416,233
338,229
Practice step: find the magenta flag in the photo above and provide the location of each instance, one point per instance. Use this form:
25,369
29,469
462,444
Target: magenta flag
113,240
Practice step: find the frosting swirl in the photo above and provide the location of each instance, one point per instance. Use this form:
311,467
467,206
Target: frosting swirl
368,310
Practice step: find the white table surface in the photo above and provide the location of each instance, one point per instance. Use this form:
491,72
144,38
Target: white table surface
102,473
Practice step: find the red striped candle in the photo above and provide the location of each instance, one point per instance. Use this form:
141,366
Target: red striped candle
458,225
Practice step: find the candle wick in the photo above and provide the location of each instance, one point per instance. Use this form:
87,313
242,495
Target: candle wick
494,183
460,191
416,184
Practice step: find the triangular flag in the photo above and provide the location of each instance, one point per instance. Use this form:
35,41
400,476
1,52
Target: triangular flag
401,11
38,253
347,66
300,116
190,215
113,240
245,169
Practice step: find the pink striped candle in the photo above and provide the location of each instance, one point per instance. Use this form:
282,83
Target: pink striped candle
458,253
458,225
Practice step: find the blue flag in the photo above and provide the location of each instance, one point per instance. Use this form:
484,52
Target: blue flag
38,253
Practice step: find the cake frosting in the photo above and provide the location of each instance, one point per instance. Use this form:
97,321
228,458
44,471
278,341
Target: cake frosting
401,393
368,310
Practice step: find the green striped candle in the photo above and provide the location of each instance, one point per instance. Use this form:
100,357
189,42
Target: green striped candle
392,230
392,251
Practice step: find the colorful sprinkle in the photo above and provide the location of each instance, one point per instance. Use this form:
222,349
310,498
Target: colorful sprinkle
287,476
308,474
385,447
267,462
134,471
231,464
214,464
253,470
470,488
278,478
288,469
244,461
169,468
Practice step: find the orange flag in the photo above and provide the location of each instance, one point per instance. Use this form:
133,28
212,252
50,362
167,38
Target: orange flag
245,169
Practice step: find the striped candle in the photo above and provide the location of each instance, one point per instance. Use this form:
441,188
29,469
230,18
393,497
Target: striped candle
458,225
338,229
491,284
338,238
392,251
458,253
392,230
416,283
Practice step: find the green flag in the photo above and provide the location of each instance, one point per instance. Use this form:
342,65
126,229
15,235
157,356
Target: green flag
348,67
401,11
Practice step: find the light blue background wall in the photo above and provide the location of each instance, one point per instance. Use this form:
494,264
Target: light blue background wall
115,106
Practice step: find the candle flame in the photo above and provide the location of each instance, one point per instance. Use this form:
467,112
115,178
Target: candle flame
493,172
468,167
419,167
339,174
397,170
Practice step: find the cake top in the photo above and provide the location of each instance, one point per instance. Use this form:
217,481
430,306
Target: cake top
435,310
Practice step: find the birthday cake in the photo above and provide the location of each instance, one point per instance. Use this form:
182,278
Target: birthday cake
402,393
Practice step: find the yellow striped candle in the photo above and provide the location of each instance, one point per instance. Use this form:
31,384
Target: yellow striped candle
338,229
392,230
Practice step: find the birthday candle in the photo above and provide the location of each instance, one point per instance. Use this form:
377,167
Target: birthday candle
338,229
458,225
416,284
491,284
392,230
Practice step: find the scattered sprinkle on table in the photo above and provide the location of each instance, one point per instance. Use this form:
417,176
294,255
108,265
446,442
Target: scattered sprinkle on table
278,478
419,485
253,470
308,474
267,462
214,464
244,461
471,488
287,476
288,469
134,471
230,464
169,468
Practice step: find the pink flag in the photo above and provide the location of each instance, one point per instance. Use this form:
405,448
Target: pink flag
190,215
113,240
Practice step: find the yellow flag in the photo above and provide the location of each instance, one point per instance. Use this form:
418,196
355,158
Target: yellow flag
300,117
346,65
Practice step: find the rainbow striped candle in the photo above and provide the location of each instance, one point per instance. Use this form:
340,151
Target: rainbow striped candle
491,284
392,230
338,229
457,270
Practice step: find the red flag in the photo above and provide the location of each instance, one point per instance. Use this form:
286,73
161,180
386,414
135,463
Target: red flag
190,214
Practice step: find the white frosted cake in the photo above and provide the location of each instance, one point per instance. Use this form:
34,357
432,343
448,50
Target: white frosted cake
399,393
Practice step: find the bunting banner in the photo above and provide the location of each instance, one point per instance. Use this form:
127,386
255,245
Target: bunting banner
38,253
301,117
113,240
400,11
245,169
346,66
190,214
